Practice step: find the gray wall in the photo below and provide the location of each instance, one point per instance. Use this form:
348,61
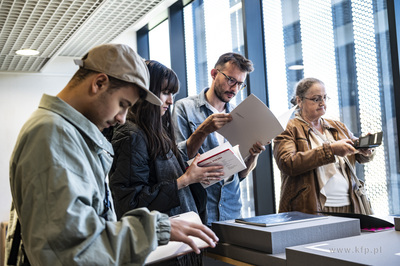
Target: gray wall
20,94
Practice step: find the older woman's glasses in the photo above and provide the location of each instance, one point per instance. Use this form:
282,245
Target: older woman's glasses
318,99
232,82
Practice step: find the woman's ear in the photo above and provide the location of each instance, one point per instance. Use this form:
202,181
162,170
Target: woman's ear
299,101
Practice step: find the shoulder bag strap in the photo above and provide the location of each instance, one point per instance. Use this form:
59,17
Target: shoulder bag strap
13,256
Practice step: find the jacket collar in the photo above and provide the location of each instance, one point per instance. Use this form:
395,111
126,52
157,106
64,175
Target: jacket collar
325,123
78,120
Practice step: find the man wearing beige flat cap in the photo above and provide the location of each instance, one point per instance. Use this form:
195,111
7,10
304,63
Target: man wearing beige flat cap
61,212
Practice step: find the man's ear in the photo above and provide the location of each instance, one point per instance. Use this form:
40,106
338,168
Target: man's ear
214,73
99,83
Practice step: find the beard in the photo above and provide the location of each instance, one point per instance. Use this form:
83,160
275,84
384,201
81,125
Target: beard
219,92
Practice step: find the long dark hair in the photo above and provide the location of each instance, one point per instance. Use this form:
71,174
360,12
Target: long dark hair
159,130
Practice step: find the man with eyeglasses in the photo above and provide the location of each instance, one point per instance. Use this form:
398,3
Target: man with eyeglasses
196,119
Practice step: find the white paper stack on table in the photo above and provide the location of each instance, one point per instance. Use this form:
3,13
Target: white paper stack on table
174,248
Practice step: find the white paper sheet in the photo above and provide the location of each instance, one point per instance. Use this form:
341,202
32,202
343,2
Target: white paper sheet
174,248
285,117
252,121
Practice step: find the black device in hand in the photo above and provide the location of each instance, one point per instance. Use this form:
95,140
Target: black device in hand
369,141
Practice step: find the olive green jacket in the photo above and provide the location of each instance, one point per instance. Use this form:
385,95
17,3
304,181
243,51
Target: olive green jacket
57,179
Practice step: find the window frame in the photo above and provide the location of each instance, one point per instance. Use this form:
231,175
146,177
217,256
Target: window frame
264,198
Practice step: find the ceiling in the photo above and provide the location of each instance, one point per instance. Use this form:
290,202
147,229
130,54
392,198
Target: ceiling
63,28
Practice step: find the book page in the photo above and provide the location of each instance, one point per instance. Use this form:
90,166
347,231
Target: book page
252,121
225,155
286,116
174,248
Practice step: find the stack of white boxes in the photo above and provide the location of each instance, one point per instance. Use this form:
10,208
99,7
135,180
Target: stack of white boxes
377,248
266,245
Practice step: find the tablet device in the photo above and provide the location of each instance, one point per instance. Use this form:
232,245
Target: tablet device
369,141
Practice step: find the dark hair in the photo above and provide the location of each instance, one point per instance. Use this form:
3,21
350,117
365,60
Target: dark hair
83,73
159,130
303,86
239,60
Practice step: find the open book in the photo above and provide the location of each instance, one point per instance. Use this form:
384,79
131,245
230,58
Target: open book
252,121
225,155
174,248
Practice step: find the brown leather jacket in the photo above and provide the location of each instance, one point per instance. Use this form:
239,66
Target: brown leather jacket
297,161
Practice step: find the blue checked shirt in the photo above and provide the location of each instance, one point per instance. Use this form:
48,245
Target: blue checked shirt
223,198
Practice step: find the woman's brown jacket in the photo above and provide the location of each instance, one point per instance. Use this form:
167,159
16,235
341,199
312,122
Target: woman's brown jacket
297,161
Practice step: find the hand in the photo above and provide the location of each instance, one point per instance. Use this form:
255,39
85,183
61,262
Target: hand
215,122
198,174
366,152
343,147
211,124
257,148
251,160
181,230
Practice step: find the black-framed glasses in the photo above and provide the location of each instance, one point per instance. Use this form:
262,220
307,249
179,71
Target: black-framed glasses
232,82
318,99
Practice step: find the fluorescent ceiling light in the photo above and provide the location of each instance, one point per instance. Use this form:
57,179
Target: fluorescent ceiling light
296,67
27,52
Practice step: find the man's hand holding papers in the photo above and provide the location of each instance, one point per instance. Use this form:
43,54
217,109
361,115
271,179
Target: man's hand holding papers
252,122
250,126
210,125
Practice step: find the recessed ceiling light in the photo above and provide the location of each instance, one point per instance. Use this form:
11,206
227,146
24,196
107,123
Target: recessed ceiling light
27,52
296,67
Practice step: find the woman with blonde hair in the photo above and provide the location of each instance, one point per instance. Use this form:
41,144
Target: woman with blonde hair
316,157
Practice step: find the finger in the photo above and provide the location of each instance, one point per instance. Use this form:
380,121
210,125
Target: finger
205,182
215,174
196,159
221,117
259,149
215,168
259,145
211,179
192,244
254,151
251,151
349,141
205,233
350,147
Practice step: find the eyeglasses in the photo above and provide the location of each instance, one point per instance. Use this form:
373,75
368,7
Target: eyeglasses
232,82
318,99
